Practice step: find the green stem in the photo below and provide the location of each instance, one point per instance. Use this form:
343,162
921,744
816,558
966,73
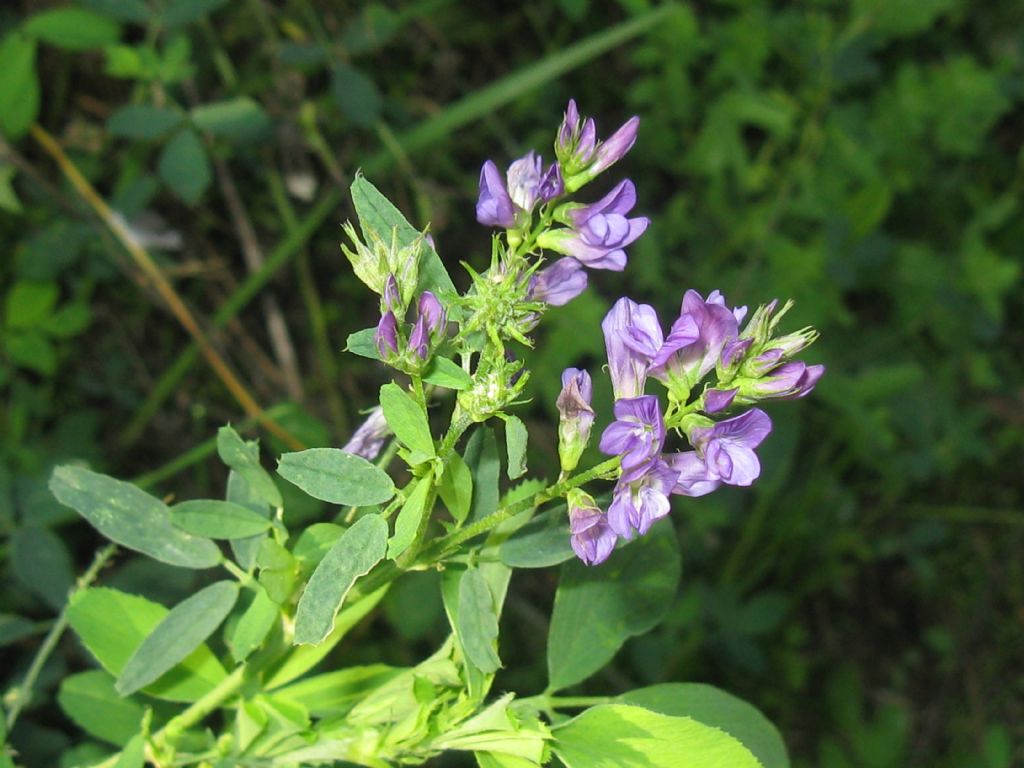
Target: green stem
23,693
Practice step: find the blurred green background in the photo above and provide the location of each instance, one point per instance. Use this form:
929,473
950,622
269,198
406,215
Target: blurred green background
863,158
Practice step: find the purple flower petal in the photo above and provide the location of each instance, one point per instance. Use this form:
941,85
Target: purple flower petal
494,207
559,283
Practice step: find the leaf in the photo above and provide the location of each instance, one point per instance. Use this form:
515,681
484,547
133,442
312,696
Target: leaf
447,373
42,564
75,29
478,622
184,166
130,517
315,542
332,694
113,624
29,303
354,554
90,700
122,10
68,321
515,442
337,477
243,456
134,753
456,488
217,519
177,635
240,492
14,628
407,524
408,420
32,351
178,13
620,736
362,343
711,706
240,118
142,121
482,459
8,195
254,625
278,570
377,214
19,86
355,94
541,543
597,609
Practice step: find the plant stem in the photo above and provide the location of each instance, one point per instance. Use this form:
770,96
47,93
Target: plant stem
23,693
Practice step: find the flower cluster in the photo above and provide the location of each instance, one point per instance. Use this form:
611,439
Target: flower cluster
750,365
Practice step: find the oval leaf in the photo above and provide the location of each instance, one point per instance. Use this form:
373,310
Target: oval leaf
515,444
244,457
478,622
719,709
409,518
253,626
619,736
185,167
73,28
408,420
19,86
240,118
140,121
359,549
447,373
90,700
218,519
112,625
541,543
332,475
177,635
130,517
598,609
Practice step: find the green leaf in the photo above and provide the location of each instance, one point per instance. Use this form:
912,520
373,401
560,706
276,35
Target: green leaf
254,625
42,564
122,10
407,524
278,570
359,549
130,517
240,492
244,457
337,477
113,624
19,86
141,121
90,700
598,609
620,736
218,519
482,459
334,693
29,303
185,167
447,373
362,343
178,13
315,542
478,622
456,488
515,441
377,214
70,320
8,196
541,543
177,635
14,628
240,118
711,706
73,28
355,94
32,351
408,420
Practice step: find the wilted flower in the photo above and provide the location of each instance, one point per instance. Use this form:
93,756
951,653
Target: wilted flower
592,538
599,232
575,417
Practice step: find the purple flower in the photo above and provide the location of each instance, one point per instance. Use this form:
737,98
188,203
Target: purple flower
575,417
527,183
727,448
790,381
692,474
432,311
559,283
494,207
686,359
639,503
599,231
419,339
391,298
637,434
369,438
579,152
386,335
632,337
592,539
716,400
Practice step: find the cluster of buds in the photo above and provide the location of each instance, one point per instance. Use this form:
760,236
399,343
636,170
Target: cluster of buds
705,337
409,349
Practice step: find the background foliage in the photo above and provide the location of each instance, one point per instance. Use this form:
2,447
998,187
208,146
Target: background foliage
862,157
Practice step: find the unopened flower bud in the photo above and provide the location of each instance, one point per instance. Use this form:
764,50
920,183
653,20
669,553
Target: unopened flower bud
386,335
575,417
